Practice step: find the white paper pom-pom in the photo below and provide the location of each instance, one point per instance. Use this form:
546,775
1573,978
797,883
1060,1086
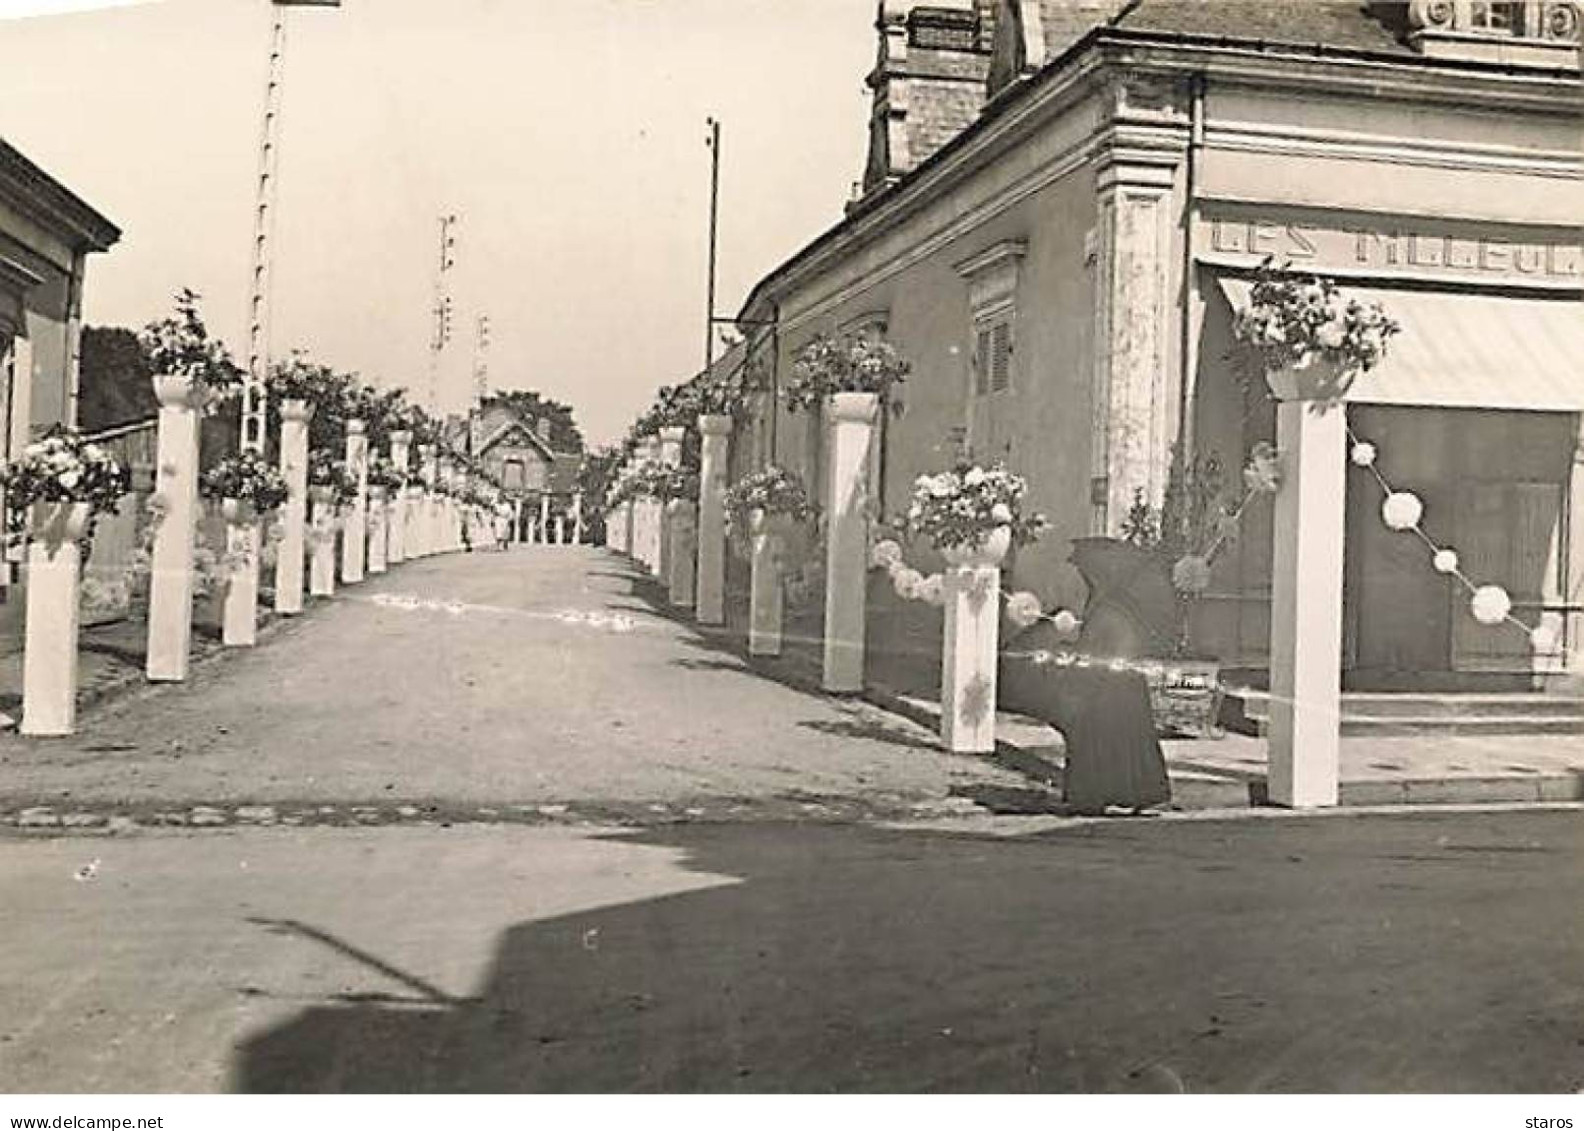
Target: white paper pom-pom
1543,638
906,582
1363,453
1023,609
1402,510
931,590
1065,623
885,554
1445,561
1490,604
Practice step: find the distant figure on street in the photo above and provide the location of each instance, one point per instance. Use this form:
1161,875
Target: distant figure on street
502,531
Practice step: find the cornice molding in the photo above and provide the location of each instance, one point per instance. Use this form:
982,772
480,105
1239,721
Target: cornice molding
36,193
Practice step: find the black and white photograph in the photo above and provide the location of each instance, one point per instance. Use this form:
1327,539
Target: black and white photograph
812,549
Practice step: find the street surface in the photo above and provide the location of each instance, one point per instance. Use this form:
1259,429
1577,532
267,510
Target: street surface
899,947
480,679
1413,953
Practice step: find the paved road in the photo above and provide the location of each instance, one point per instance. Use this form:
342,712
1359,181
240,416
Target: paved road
1358,953
481,679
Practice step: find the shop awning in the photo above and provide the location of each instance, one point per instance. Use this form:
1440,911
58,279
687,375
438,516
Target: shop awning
1478,350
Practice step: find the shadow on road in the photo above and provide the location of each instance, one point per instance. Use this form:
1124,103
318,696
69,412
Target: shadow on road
1257,956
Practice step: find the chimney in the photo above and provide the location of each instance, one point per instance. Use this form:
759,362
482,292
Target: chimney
928,83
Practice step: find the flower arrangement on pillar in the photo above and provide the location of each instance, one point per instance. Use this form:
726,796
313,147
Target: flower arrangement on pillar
189,366
248,489
827,366
1311,341
766,509
60,484
973,516
1312,344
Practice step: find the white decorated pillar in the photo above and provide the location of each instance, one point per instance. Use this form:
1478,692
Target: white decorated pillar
577,519
852,421
715,432
354,544
397,535
429,467
49,656
544,519
971,586
560,530
239,615
765,592
1306,601
378,532
295,415
171,569
682,528
671,438
322,539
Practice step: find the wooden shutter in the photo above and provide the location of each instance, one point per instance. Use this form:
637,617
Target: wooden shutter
1000,356
981,361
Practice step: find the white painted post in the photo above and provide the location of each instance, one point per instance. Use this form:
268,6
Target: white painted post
396,537
295,415
765,593
714,454
972,589
379,522
852,418
577,519
239,624
171,570
560,530
429,514
49,655
354,541
671,438
1306,604
322,569
682,525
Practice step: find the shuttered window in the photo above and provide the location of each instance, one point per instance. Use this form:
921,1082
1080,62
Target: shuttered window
993,357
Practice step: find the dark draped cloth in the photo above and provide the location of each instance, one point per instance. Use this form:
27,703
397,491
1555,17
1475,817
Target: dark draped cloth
1113,755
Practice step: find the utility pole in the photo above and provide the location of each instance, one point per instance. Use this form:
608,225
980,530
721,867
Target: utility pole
442,308
254,397
714,143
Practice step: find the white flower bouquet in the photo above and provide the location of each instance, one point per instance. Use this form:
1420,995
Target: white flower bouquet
963,507
62,467
773,490
1293,319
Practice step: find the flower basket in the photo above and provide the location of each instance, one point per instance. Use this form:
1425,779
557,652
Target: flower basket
247,483
192,369
61,468
1185,698
828,367
972,515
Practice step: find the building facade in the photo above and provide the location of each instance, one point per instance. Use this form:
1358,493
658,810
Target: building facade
1063,271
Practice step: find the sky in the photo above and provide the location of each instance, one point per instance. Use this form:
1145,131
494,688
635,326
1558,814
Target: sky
567,135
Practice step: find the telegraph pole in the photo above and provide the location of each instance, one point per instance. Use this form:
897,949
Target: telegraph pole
714,144
253,393
480,383
442,308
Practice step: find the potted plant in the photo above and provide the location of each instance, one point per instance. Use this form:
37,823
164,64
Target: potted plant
328,479
61,483
972,515
836,366
246,485
1312,341
189,366
771,500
